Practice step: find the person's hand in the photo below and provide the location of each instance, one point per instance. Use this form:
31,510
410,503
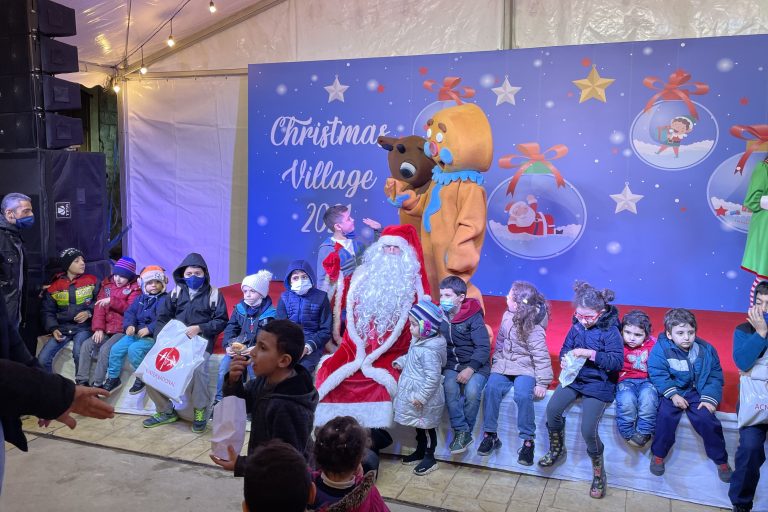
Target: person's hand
87,403
143,332
57,335
417,404
130,331
711,408
305,351
82,317
236,369
229,351
193,330
98,336
374,225
755,317
539,391
582,352
464,375
680,402
103,302
229,465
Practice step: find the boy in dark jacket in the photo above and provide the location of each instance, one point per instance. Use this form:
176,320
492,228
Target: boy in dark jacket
303,303
67,307
199,306
281,399
686,371
469,352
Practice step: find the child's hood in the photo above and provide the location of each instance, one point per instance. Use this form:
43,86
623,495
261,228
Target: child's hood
299,265
468,308
300,389
193,259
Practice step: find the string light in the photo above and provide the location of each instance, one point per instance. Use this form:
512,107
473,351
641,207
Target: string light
115,86
143,69
170,41
212,7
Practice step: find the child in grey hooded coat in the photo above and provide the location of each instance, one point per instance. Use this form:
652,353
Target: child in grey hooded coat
420,399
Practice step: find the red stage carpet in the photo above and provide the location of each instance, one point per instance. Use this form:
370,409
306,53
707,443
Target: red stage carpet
715,327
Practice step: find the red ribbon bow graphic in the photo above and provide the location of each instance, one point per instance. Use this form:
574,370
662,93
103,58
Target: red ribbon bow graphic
332,263
673,90
760,136
447,92
531,153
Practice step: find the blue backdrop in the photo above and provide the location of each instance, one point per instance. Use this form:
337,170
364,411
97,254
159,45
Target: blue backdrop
663,133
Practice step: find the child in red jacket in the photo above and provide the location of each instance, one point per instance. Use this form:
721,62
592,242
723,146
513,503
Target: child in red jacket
117,293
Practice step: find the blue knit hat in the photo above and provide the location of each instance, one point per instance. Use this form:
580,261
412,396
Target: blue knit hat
125,267
428,315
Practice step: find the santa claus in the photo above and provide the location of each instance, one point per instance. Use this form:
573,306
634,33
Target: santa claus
524,217
358,379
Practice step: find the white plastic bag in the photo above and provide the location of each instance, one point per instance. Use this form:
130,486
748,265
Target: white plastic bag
753,395
169,366
228,426
570,368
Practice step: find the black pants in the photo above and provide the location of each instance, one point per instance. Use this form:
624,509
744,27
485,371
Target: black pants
429,444
592,411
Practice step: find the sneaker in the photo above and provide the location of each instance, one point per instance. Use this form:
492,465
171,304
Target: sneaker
200,421
414,458
657,466
525,453
426,466
213,407
739,508
724,472
160,418
83,383
112,384
639,440
98,385
489,443
137,387
461,441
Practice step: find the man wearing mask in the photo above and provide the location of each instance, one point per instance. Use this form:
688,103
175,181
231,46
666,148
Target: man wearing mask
17,216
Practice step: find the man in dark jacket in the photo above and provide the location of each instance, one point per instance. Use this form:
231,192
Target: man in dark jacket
199,306
17,215
303,303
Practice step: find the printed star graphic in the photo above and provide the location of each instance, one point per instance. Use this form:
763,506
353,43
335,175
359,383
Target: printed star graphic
721,211
593,86
336,90
505,93
626,200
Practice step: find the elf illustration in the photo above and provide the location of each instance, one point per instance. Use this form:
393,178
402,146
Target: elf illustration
672,135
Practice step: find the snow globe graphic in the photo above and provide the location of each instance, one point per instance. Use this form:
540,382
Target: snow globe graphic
673,135
726,191
543,217
420,123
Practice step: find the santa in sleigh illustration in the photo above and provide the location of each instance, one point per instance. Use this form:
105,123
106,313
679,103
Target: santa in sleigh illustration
525,217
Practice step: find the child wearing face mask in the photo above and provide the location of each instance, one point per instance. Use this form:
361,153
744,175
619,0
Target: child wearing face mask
636,398
686,371
303,303
469,353
250,315
595,337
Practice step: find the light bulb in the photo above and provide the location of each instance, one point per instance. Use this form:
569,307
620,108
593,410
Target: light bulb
170,41
212,7
116,88
143,70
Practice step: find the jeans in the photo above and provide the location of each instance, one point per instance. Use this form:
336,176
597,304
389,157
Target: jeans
135,348
750,455
636,404
49,351
198,389
592,411
223,369
463,415
91,350
496,389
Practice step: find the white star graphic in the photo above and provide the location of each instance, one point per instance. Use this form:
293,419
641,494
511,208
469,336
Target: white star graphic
626,200
505,93
336,90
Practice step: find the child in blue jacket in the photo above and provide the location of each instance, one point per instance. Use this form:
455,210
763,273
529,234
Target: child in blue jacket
686,371
303,303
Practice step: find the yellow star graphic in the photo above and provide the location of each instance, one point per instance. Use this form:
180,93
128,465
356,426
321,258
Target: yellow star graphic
593,86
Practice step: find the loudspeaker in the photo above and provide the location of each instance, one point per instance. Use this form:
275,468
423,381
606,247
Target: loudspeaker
30,53
27,92
31,130
25,16
69,197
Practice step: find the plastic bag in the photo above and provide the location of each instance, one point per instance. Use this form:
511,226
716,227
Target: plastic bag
169,365
753,395
228,426
570,368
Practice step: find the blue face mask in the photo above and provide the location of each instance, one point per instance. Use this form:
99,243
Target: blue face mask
765,317
447,305
194,282
25,222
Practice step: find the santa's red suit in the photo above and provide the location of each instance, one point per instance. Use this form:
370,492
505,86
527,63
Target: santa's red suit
358,379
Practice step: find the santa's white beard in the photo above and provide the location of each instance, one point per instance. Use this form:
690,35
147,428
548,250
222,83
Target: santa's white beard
385,291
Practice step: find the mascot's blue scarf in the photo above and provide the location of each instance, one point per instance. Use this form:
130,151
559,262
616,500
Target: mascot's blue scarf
445,178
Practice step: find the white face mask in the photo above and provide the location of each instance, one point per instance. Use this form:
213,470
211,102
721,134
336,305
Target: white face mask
253,302
301,287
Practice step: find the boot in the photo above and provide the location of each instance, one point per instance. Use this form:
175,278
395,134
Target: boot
599,480
416,457
556,451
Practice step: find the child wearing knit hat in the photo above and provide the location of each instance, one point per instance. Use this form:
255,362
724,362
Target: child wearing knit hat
139,327
117,294
420,399
249,315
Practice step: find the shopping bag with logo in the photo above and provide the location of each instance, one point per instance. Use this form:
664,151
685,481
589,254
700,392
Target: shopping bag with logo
570,368
169,366
753,395
228,426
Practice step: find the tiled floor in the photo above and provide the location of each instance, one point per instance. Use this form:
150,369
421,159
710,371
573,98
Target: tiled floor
452,487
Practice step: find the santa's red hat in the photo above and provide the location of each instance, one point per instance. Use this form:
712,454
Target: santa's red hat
409,234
